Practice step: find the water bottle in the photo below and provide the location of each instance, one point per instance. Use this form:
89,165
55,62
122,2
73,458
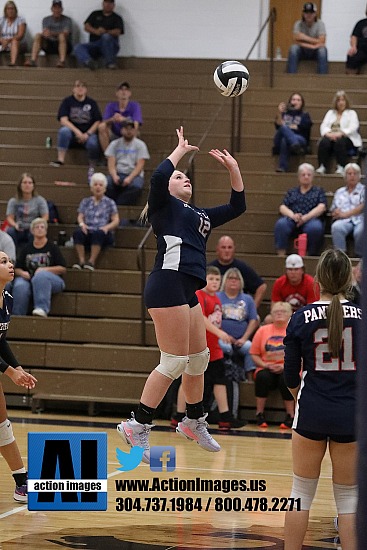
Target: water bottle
62,238
278,53
48,142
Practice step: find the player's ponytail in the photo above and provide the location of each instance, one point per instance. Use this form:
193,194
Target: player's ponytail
334,275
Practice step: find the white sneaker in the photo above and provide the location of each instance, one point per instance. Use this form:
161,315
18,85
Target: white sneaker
321,169
197,430
136,435
39,312
339,170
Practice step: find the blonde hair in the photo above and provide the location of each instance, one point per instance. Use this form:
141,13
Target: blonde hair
338,95
285,305
232,271
38,220
334,275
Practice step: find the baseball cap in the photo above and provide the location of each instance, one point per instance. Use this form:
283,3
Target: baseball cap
57,3
309,7
123,85
127,122
293,261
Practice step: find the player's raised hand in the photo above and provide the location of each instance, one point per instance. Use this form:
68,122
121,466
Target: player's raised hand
182,142
225,158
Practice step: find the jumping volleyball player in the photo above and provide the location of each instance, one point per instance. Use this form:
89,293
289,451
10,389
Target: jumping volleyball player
10,367
323,338
182,231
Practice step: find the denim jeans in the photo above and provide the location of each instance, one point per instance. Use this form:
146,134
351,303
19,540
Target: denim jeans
42,285
340,229
296,53
244,350
283,140
285,228
124,195
66,138
106,46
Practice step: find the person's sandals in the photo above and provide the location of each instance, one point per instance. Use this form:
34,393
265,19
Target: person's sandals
60,64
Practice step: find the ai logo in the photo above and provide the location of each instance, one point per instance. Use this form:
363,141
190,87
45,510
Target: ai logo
67,471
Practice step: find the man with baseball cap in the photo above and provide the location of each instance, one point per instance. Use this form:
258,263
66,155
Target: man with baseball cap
54,38
309,36
295,287
116,112
104,27
126,158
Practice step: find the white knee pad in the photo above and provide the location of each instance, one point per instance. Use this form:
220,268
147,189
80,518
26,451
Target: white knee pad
346,497
172,366
198,363
6,433
304,488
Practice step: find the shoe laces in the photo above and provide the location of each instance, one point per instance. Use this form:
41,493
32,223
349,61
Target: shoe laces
143,433
202,428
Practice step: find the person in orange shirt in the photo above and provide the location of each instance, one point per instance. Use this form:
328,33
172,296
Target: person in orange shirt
267,352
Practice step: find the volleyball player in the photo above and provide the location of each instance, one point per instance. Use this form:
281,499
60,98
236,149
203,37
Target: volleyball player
322,340
10,367
182,231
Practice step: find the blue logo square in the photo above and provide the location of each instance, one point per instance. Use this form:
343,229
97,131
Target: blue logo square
67,471
162,459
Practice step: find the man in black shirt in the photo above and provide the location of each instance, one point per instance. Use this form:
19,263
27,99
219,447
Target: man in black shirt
104,27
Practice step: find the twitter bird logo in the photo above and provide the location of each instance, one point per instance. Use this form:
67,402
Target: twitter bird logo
130,460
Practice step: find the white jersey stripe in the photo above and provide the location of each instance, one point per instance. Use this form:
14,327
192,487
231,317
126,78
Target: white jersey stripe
172,256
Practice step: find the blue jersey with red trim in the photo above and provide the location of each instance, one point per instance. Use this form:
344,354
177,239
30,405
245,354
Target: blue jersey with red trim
327,396
182,229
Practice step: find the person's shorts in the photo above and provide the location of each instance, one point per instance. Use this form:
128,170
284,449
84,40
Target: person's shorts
321,436
168,288
216,373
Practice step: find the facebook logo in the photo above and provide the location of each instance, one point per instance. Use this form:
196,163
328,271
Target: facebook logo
162,459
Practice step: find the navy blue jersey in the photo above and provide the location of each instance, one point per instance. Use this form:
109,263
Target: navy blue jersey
182,229
327,395
6,356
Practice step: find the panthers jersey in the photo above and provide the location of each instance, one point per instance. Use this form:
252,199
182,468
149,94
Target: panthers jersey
327,395
182,229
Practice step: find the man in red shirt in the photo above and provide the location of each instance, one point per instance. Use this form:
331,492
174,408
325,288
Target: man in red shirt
295,287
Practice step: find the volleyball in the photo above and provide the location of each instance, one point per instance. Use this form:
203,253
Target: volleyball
231,78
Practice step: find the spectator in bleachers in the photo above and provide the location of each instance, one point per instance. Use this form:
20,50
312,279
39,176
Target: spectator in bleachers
339,134
267,352
104,28
38,273
118,112
97,219
302,211
54,38
126,158
12,32
309,35
357,53
356,291
293,127
79,116
253,283
239,319
7,245
22,209
347,210
295,287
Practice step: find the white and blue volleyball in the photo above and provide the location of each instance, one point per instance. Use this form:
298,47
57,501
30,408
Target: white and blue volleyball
231,78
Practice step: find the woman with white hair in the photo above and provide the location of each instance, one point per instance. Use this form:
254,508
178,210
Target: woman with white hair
97,218
302,211
347,210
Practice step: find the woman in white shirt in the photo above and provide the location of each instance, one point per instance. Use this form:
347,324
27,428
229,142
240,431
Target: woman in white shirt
12,31
339,133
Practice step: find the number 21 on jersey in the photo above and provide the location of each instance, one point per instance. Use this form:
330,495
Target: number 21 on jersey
322,357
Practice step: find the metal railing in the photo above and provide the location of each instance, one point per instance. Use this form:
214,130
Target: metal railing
236,118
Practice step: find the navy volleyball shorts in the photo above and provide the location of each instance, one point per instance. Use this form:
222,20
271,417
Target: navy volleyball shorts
168,288
321,436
